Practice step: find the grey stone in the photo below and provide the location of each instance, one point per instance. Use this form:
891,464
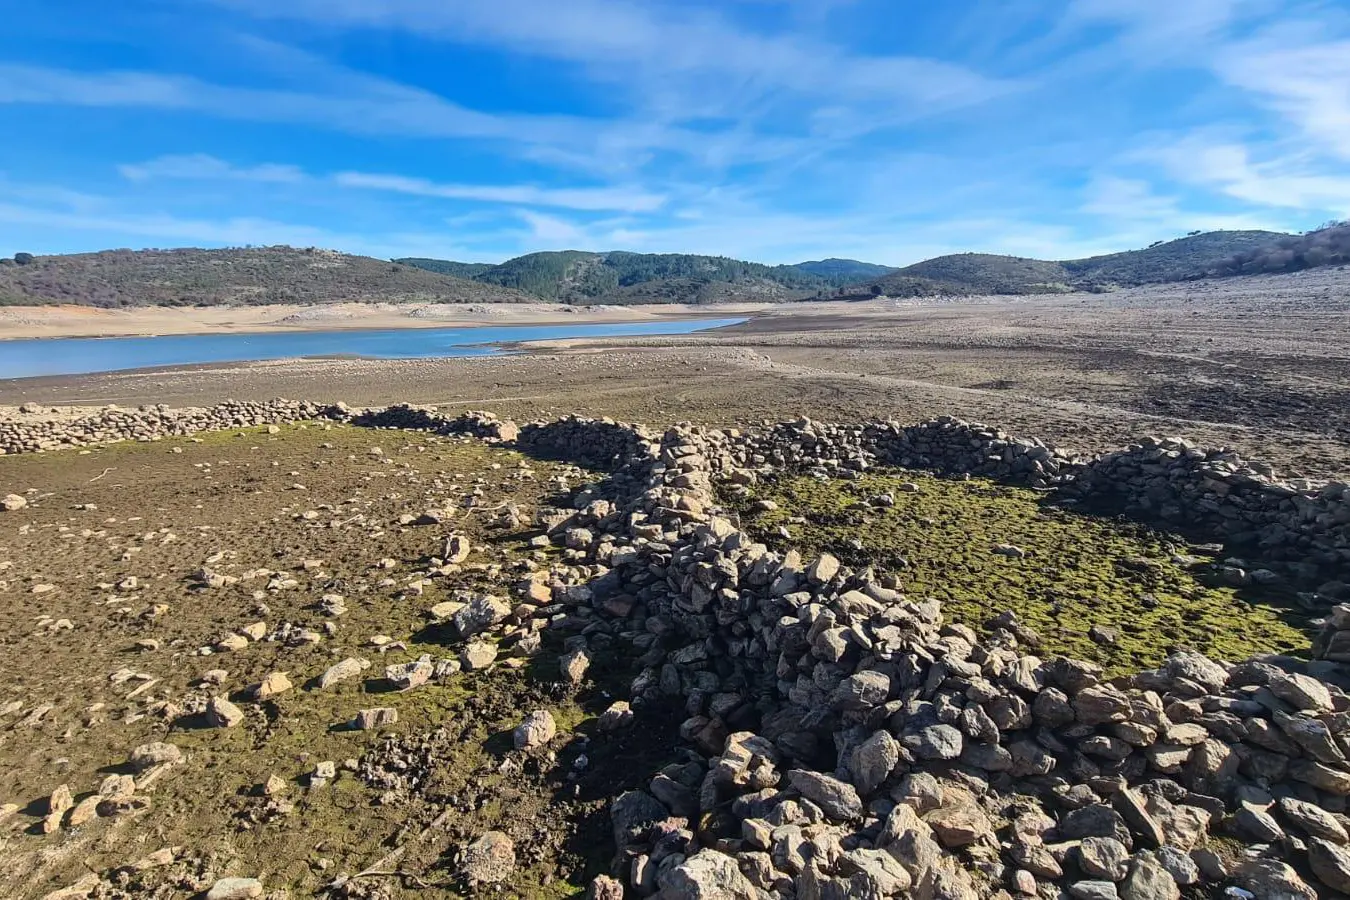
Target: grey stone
838,799
935,742
537,729
707,875
491,859
1149,880
235,889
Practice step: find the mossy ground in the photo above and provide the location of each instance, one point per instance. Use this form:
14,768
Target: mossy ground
1078,571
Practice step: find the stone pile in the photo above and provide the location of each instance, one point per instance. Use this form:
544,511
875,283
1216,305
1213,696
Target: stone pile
850,743
482,425
146,423
601,444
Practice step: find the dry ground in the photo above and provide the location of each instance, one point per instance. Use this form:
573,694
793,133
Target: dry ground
78,689
1261,364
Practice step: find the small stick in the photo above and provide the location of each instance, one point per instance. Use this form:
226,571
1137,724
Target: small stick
101,474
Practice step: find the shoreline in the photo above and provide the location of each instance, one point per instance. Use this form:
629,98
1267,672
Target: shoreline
19,323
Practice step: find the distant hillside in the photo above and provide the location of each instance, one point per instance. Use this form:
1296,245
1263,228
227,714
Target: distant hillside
445,266
263,275
842,271
1178,260
1193,256
576,276
252,276
1327,246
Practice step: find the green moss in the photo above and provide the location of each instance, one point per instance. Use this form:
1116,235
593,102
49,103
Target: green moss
1078,570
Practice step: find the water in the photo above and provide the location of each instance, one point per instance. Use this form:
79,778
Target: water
77,356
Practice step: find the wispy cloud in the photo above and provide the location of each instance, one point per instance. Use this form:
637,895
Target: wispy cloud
592,198
1288,182
1301,77
683,62
203,167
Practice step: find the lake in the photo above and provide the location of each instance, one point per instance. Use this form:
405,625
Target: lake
78,356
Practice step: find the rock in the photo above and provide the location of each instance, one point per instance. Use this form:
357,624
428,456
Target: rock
1104,857
12,503
1101,704
479,614
409,675
1322,777
1301,692
862,690
235,889
221,713
457,549
959,825
1273,879
617,716
574,665
873,762
707,875
489,860
349,668
935,742
275,683
1093,890
1330,863
602,887
1257,825
1132,809
838,799
1313,820
156,753
477,655
58,804
1094,820
378,717
537,729
1105,635
1149,880
823,569
632,813
1184,870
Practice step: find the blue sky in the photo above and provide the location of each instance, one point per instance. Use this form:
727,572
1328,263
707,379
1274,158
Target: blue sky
776,130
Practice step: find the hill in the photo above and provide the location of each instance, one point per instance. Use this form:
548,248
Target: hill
1178,260
843,271
250,276
576,276
1193,256
1327,246
445,266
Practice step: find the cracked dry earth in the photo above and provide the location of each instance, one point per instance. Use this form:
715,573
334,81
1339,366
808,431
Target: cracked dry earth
134,567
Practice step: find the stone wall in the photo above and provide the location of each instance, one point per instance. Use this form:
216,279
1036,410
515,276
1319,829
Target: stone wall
853,744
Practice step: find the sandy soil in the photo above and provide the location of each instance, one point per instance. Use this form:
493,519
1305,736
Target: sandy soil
1260,364
83,321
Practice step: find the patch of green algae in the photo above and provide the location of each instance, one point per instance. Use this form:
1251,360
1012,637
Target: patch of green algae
1079,570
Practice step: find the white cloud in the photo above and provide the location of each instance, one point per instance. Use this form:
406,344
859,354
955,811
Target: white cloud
1308,83
1288,182
552,232
200,166
596,198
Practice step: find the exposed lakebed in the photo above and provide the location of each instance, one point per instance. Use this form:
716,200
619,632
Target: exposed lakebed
76,356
